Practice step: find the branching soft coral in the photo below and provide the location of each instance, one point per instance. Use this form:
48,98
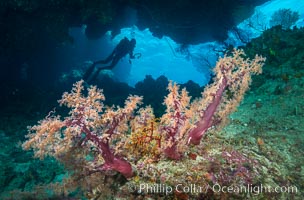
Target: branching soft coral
175,123
117,138
233,73
89,125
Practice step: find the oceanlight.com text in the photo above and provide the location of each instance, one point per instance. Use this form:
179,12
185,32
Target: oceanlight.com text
254,189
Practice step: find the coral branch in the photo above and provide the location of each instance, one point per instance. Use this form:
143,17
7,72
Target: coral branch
205,122
112,162
233,72
88,125
174,121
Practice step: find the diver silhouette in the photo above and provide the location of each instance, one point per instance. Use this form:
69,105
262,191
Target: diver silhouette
124,47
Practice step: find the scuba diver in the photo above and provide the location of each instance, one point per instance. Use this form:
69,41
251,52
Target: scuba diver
124,47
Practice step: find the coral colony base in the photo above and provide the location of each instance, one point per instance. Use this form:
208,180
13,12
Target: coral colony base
125,151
